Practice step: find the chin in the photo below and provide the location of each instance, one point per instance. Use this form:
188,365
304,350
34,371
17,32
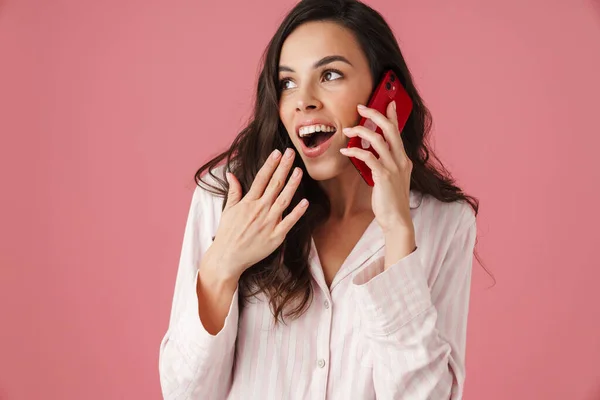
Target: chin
325,167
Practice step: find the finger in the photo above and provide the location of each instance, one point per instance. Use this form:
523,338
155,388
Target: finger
376,140
390,130
397,148
391,113
234,195
285,197
278,179
290,220
366,156
263,176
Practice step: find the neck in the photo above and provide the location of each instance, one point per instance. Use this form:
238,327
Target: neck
348,194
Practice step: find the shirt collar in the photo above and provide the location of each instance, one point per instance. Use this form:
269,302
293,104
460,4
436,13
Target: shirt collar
368,245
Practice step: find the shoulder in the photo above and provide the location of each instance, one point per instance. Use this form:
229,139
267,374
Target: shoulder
207,199
210,181
449,219
444,233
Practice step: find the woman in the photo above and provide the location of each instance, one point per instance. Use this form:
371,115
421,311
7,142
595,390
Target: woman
297,280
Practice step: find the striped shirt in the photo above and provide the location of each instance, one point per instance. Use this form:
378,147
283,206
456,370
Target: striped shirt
373,334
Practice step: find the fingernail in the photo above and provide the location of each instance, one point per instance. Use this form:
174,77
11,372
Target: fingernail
343,150
361,107
394,105
346,130
303,203
276,154
296,173
288,153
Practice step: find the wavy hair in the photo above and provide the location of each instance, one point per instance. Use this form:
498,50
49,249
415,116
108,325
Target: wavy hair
284,276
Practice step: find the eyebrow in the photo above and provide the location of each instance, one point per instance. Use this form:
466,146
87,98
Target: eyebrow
320,63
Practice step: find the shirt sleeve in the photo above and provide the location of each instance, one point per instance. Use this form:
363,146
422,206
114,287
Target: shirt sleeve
417,335
192,362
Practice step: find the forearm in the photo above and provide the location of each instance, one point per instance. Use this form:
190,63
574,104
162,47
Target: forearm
416,362
411,358
416,330
196,356
398,244
215,293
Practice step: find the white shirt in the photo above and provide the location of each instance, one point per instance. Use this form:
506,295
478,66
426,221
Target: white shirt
374,334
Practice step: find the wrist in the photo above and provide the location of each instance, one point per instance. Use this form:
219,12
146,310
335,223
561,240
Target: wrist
398,245
399,232
216,272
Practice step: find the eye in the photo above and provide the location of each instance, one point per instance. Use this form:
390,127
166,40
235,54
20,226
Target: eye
329,75
332,72
283,84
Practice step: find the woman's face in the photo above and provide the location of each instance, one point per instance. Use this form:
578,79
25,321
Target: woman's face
323,76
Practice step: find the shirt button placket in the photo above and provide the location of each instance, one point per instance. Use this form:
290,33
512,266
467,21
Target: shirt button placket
323,345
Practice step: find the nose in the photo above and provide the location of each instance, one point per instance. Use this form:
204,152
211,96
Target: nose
307,101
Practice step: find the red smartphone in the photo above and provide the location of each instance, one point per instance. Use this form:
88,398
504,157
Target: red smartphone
388,89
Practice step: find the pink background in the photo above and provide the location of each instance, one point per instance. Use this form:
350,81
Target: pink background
108,107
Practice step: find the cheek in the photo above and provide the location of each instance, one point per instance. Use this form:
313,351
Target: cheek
286,114
347,113
345,106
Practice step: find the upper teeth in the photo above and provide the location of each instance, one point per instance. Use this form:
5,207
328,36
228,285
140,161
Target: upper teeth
310,129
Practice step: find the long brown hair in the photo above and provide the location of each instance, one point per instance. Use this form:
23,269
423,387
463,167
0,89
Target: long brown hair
284,276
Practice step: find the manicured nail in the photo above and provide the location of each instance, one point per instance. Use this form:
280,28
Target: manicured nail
303,203
276,154
346,130
394,105
344,150
289,153
361,107
296,173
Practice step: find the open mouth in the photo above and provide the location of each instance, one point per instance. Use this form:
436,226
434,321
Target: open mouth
314,136
317,138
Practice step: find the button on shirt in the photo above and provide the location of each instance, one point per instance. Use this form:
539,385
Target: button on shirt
398,333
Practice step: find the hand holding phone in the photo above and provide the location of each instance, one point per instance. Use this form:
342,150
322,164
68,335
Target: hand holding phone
389,89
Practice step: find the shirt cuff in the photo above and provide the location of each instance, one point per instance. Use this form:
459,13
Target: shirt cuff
390,299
